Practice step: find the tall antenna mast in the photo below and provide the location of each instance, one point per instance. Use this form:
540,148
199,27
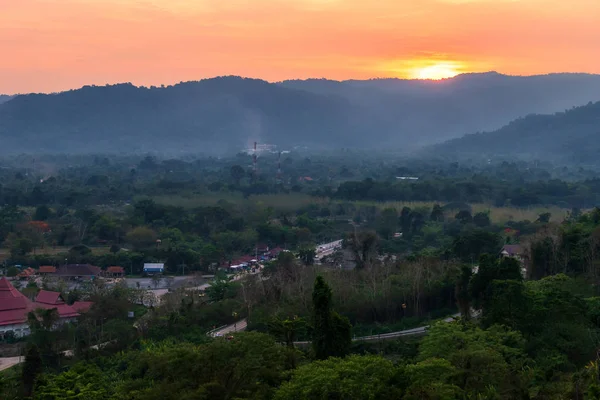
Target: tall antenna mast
279,168
254,168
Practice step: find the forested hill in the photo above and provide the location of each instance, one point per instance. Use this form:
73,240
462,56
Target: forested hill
570,136
210,116
406,113
225,114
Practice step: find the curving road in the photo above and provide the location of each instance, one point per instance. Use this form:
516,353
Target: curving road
7,362
241,325
421,330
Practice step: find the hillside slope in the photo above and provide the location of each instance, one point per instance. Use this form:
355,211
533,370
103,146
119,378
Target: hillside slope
571,136
426,112
225,114
209,116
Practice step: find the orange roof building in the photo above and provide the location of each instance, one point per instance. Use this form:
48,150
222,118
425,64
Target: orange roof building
26,273
47,269
115,270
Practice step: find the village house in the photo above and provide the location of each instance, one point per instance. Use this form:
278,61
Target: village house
513,250
78,271
517,252
240,263
154,268
115,272
47,270
26,273
15,308
274,253
262,249
49,300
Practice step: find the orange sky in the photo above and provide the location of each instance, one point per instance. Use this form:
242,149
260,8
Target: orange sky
51,45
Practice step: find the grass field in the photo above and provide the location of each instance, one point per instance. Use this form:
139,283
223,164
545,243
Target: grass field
48,250
194,201
292,202
497,214
280,202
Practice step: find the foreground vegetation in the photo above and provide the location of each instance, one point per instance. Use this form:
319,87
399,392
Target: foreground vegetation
532,335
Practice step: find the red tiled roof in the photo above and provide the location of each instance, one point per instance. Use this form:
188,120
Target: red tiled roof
14,306
47,269
275,251
48,300
26,272
82,306
115,270
48,297
64,310
241,260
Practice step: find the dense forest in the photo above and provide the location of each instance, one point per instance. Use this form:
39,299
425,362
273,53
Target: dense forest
222,115
96,180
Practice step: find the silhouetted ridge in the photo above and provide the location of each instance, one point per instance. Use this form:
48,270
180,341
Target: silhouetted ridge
572,135
224,114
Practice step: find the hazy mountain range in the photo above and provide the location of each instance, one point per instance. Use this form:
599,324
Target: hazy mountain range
226,114
4,97
570,136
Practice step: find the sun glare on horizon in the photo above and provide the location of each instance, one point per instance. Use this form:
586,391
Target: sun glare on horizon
428,68
437,71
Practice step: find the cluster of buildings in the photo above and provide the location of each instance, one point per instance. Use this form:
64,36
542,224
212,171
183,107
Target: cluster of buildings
263,254
15,308
85,271
328,248
72,272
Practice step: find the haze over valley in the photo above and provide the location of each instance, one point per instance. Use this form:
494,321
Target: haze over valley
223,115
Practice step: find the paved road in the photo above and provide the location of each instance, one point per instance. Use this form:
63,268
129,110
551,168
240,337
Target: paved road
421,330
145,283
7,362
237,327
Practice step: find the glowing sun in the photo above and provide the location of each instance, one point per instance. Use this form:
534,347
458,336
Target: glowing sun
437,71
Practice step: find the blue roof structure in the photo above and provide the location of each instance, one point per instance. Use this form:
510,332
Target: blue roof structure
154,267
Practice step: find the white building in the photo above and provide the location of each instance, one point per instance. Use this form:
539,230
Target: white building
328,247
154,268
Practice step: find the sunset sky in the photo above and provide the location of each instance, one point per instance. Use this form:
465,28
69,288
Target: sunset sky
52,45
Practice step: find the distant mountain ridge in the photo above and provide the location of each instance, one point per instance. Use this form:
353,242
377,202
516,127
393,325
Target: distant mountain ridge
224,114
4,98
569,136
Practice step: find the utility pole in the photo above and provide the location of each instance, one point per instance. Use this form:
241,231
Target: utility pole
254,162
278,178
